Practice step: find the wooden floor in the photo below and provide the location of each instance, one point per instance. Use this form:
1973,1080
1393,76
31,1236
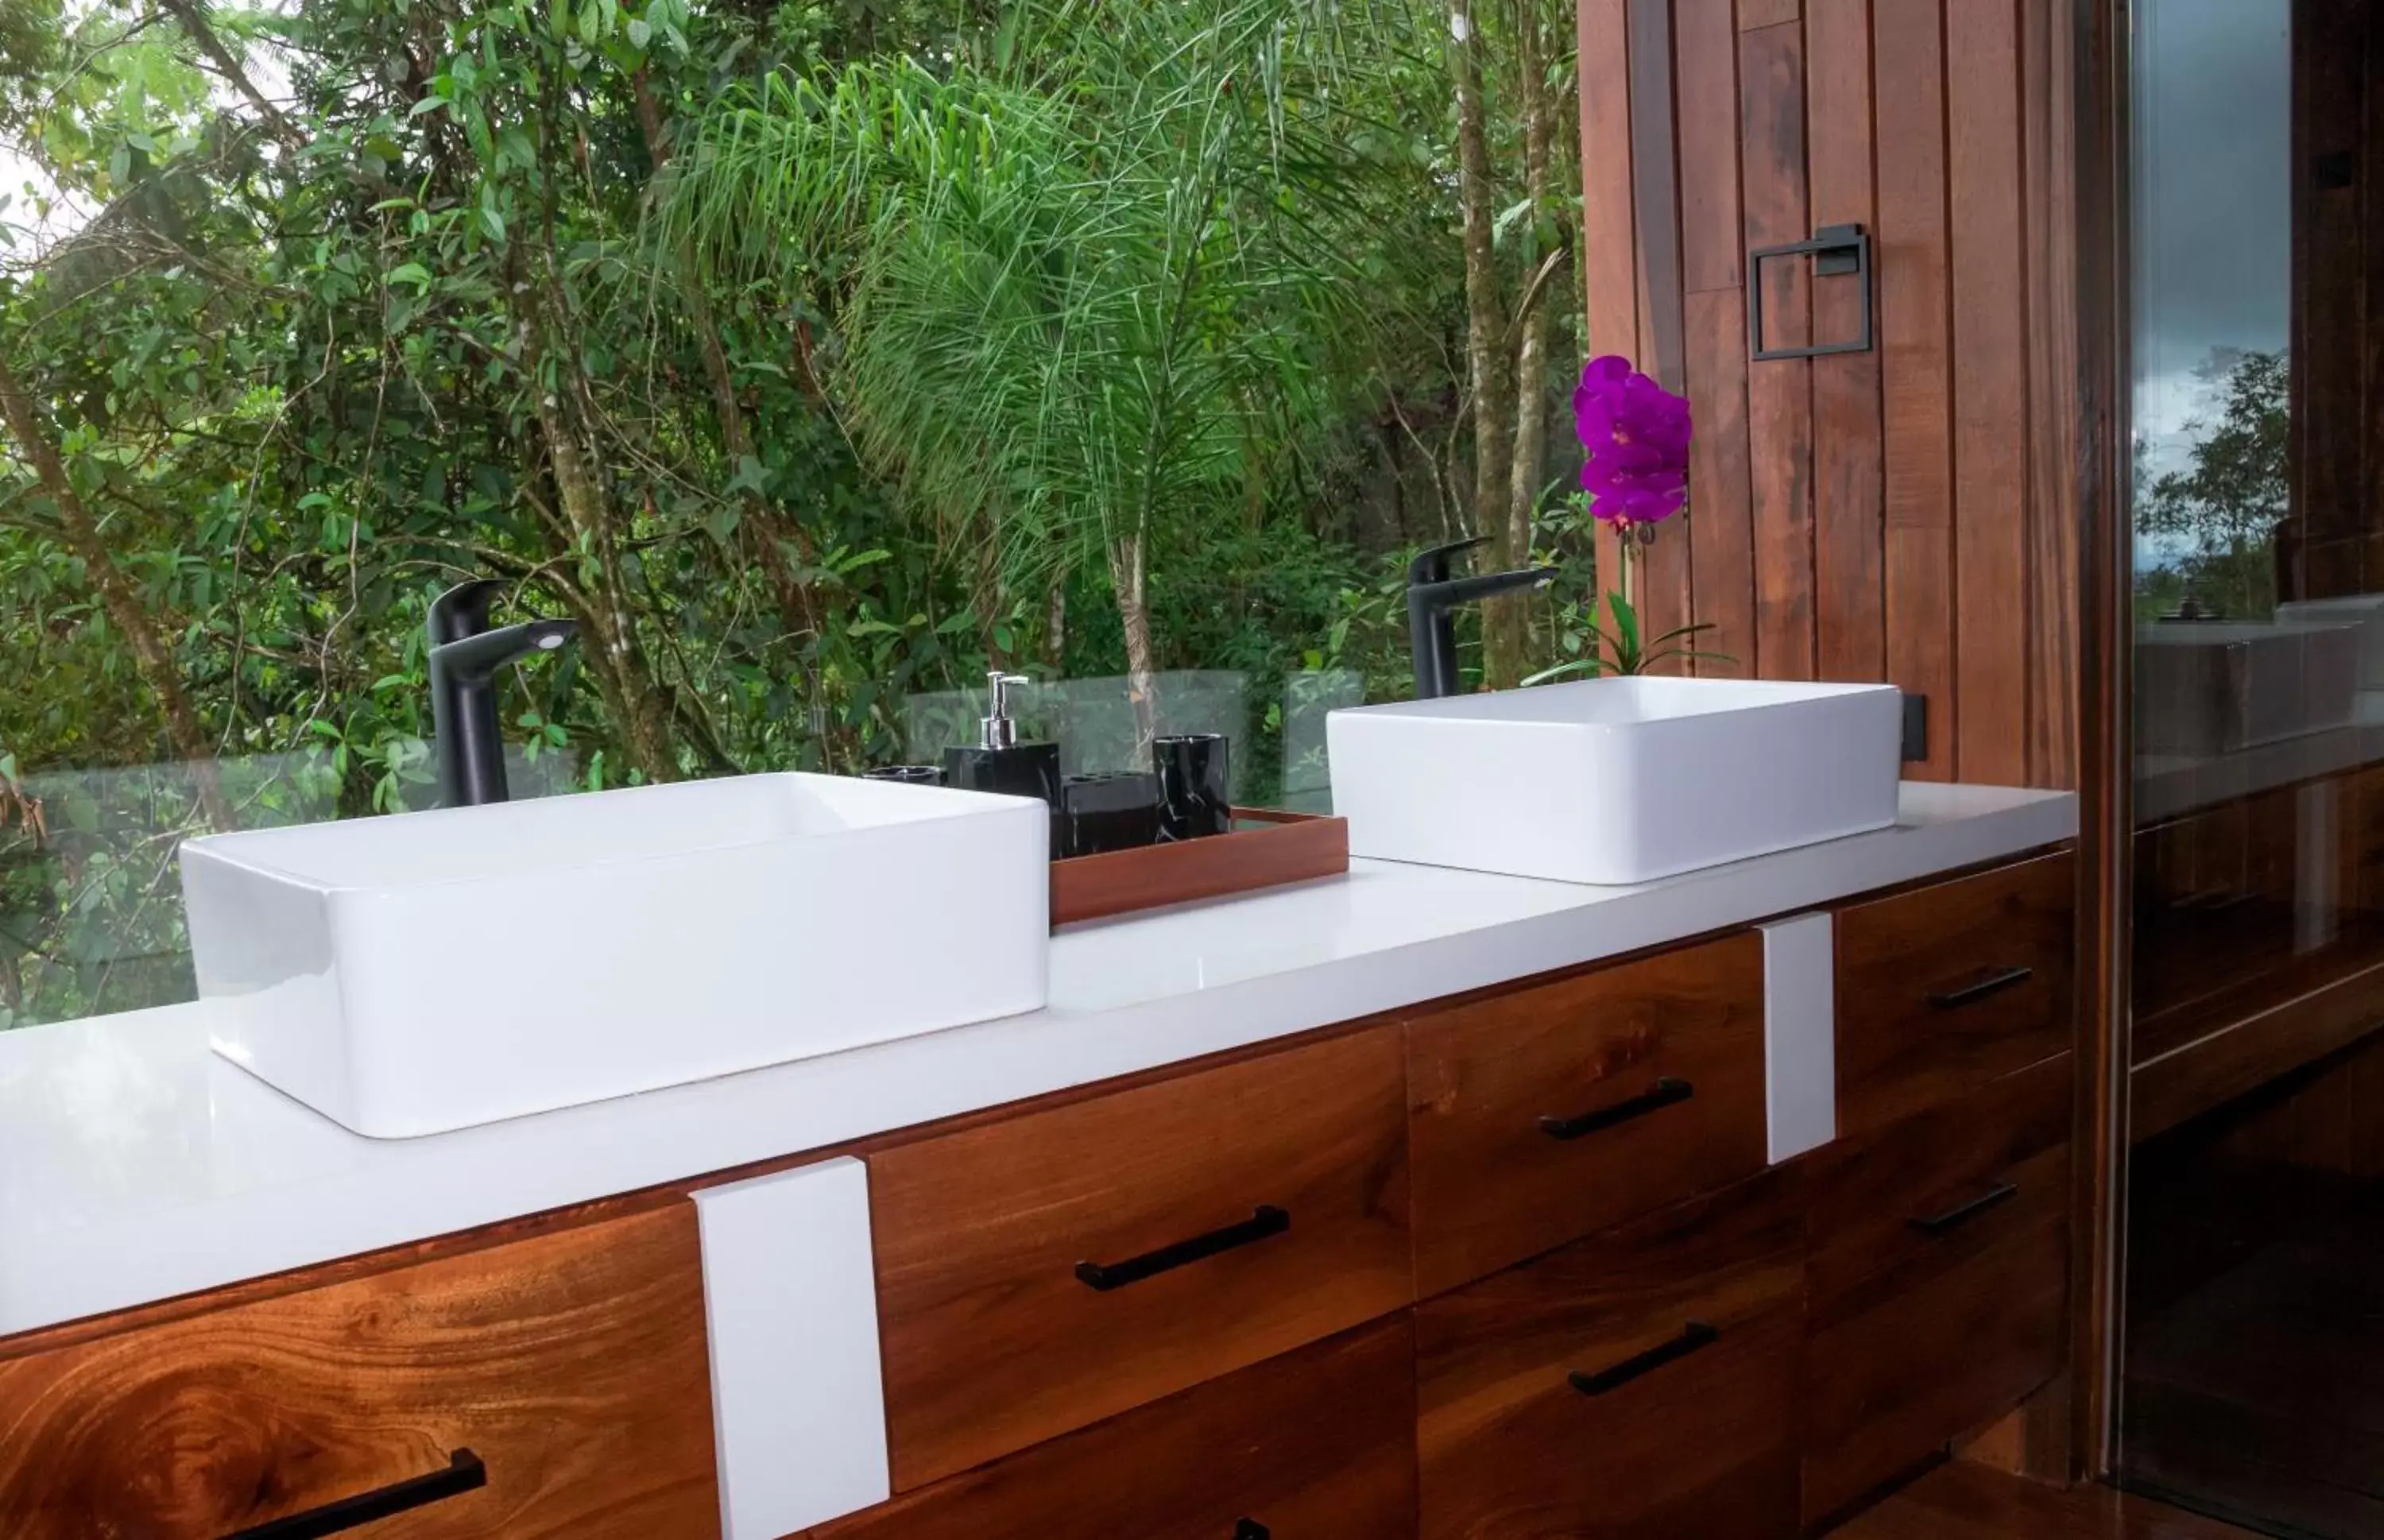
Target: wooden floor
1963,1502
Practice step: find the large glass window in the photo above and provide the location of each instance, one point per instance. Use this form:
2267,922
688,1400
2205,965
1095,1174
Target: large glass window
2253,1219
811,359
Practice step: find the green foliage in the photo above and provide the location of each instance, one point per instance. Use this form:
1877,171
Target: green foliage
740,333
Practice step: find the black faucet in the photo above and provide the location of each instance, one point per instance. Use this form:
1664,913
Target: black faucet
465,656
1432,593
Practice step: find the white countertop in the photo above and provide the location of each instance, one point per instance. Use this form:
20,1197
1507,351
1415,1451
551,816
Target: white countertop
2171,785
135,1165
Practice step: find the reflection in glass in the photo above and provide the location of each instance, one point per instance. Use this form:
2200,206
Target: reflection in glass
2255,1218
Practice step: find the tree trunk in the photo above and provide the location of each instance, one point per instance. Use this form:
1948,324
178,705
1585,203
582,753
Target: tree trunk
1134,615
116,597
1489,369
629,688
193,20
1055,629
986,599
608,632
762,530
1509,618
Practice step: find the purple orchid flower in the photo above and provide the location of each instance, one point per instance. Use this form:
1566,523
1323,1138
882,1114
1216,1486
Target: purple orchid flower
1636,434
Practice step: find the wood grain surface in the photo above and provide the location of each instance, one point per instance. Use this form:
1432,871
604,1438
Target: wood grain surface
573,1363
1285,847
991,1341
1492,1188
1317,1445
1703,1445
1900,1050
1919,1354
1913,513
1866,1193
1962,1501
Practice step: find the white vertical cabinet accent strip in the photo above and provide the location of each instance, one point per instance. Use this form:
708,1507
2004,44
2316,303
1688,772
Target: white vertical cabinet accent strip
790,1304
1800,1035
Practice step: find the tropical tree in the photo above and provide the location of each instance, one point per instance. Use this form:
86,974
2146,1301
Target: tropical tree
2217,514
1076,299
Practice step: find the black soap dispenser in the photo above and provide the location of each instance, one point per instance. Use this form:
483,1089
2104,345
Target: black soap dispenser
999,763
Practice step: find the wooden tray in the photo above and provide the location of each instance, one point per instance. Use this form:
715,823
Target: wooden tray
1280,848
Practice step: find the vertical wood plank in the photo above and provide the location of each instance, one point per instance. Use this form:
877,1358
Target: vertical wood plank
1990,389
1779,406
1722,530
2055,475
1713,242
1766,13
1610,241
2356,571
1917,437
2329,320
1850,548
1667,600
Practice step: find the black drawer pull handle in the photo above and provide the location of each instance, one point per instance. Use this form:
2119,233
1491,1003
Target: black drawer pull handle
1251,1529
1667,1090
1266,1220
1937,1224
1694,1336
464,1472
1994,983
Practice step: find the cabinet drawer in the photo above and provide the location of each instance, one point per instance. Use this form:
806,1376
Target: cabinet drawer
571,1365
1552,1112
1639,1384
1317,1445
1038,1273
1946,987
1952,1181
1917,1355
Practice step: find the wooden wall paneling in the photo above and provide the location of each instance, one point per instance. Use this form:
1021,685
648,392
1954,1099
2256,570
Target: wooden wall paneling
2361,564
2056,478
1779,403
1609,265
1990,389
1849,529
1720,531
2327,327
1666,600
1915,364
1766,13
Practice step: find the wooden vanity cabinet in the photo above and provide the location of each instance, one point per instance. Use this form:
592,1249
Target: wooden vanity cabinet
1640,1384
1513,1268
1040,1272
555,1386
1547,1113
1316,1445
1939,1281
1943,988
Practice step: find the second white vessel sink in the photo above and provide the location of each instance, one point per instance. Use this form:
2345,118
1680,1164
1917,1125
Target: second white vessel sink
416,974
1616,781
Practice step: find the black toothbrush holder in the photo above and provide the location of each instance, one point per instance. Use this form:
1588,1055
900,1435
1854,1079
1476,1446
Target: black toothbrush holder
1194,785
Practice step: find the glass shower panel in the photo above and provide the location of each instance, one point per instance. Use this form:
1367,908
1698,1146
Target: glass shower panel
2253,1378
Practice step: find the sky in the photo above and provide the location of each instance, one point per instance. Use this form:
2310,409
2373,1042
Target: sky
2214,202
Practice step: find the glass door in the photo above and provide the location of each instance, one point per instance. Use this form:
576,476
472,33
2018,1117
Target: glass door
2252,1366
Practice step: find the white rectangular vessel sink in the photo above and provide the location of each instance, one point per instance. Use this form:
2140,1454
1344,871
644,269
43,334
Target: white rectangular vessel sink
1616,781
431,971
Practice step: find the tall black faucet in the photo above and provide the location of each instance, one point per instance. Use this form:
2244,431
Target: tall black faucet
1432,593
465,657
